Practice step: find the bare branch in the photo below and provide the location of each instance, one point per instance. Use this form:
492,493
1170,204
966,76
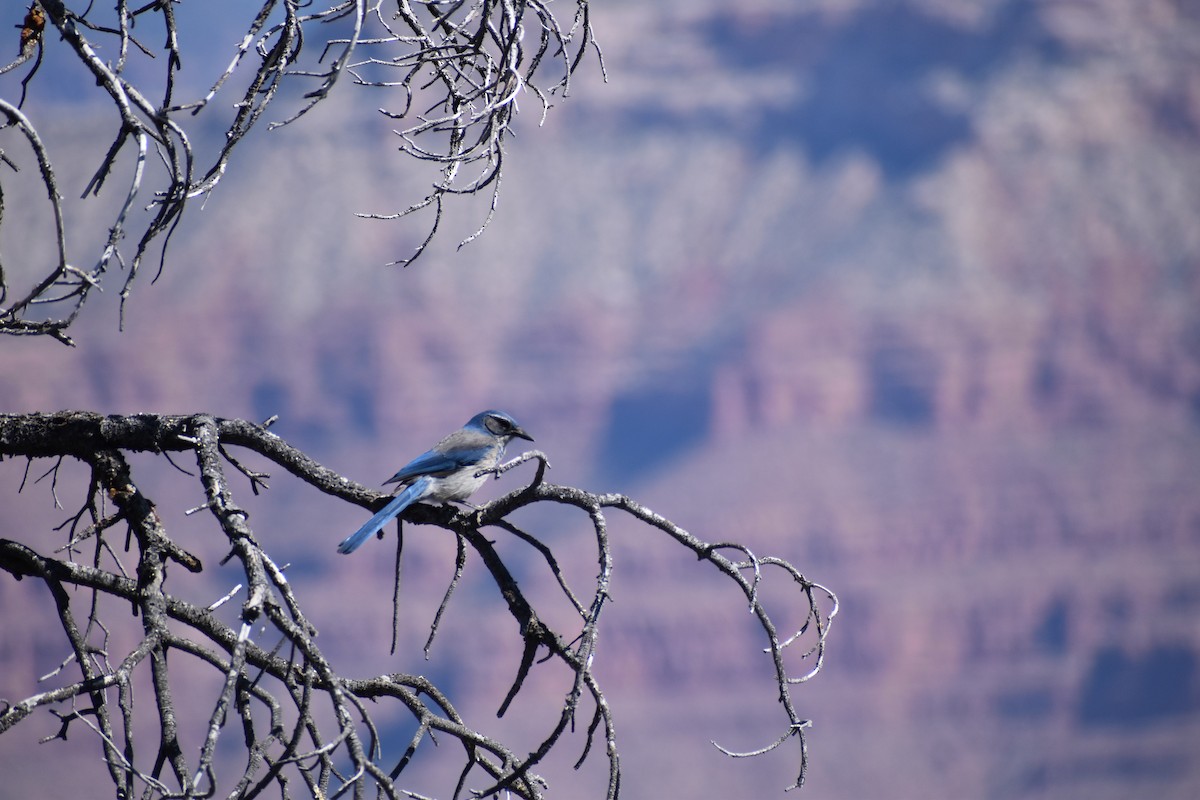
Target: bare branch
465,63
287,682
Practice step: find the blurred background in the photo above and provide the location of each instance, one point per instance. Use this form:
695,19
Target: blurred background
905,292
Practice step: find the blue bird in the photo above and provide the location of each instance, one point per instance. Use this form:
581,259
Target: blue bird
448,471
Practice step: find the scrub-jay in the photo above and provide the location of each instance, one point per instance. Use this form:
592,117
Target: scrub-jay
449,471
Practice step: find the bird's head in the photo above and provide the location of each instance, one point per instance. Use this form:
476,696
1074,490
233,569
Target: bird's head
498,424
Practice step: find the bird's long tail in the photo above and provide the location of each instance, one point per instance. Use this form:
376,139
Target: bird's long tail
411,494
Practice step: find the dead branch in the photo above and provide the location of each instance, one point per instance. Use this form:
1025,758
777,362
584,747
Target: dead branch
273,673
459,69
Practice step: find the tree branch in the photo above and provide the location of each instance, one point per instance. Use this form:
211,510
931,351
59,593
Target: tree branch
466,60
284,682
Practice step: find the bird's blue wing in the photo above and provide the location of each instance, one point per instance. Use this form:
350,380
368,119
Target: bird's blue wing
439,463
410,495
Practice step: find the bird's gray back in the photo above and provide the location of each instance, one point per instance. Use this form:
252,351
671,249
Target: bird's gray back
466,439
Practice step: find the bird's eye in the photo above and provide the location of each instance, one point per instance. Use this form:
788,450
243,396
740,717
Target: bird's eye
499,424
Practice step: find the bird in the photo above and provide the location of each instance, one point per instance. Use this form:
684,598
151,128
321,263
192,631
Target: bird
450,470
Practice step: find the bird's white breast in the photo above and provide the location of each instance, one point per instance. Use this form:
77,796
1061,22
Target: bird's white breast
462,484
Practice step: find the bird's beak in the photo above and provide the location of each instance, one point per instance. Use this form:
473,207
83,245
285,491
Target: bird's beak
519,433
